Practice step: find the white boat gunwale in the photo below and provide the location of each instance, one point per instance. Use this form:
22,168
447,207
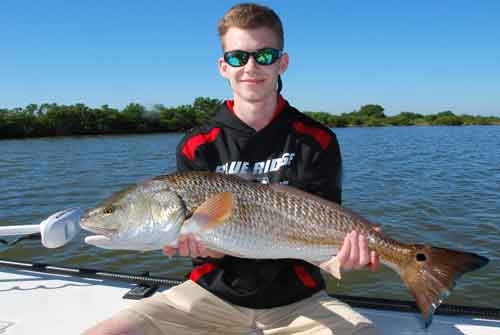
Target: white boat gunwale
144,279
23,282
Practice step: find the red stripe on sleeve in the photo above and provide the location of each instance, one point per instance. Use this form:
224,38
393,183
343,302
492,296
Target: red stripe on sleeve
304,276
200,271
194,142
320,135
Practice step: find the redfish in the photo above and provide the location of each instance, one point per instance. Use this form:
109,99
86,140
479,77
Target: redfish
252,220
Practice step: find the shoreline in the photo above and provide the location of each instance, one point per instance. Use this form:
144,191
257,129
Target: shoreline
139,133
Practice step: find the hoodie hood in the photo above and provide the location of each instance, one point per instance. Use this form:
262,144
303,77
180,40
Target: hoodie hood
227,118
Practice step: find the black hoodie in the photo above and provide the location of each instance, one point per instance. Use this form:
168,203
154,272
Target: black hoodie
292,149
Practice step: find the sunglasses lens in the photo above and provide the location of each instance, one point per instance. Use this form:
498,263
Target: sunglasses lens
266,56
236,58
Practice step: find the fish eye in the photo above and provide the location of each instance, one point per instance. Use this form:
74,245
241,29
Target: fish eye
108,210
421,257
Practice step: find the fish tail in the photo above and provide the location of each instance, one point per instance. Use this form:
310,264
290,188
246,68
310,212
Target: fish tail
432,273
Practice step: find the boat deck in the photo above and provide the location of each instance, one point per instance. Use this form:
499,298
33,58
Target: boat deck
47,303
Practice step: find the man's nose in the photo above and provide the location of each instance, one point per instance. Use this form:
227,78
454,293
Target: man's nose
251,64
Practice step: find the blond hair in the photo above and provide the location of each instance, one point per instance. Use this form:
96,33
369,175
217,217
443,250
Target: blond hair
251,16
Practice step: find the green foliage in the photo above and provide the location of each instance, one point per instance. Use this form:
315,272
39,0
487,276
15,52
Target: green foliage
445,114
371,112
56,120
79,119
405,119
206,108
448,120
132,117
373,116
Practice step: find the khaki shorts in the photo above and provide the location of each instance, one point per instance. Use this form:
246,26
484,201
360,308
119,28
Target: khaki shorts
189,309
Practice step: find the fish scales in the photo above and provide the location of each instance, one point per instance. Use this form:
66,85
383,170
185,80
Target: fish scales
321,224
255,205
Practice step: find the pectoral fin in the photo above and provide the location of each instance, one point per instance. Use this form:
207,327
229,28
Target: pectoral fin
211,213
332,266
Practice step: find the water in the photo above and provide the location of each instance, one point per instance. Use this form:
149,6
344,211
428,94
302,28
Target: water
438,185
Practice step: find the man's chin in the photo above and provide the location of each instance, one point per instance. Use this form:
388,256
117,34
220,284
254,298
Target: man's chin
255,96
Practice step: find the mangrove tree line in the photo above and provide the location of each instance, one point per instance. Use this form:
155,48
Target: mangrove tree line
78,119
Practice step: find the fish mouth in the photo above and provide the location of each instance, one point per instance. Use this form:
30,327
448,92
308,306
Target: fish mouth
86,223
104,237
101,238
97,230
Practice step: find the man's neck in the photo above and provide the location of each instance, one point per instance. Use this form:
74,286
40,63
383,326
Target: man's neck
255,114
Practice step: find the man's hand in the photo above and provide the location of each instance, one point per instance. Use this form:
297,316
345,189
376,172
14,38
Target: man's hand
354,254
189,246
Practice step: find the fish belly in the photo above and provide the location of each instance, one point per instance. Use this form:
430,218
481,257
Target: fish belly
249,243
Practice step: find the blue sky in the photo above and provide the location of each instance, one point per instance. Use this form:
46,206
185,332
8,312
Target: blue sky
416,56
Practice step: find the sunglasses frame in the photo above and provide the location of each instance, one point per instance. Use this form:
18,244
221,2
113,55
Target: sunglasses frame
276,54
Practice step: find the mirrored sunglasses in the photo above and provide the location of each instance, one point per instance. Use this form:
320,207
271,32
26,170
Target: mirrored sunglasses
265,56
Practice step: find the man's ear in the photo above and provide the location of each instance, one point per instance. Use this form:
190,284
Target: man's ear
284,63
222,67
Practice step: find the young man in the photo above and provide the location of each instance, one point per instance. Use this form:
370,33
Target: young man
259,134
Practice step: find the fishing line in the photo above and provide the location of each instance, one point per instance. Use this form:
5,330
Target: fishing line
35,236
